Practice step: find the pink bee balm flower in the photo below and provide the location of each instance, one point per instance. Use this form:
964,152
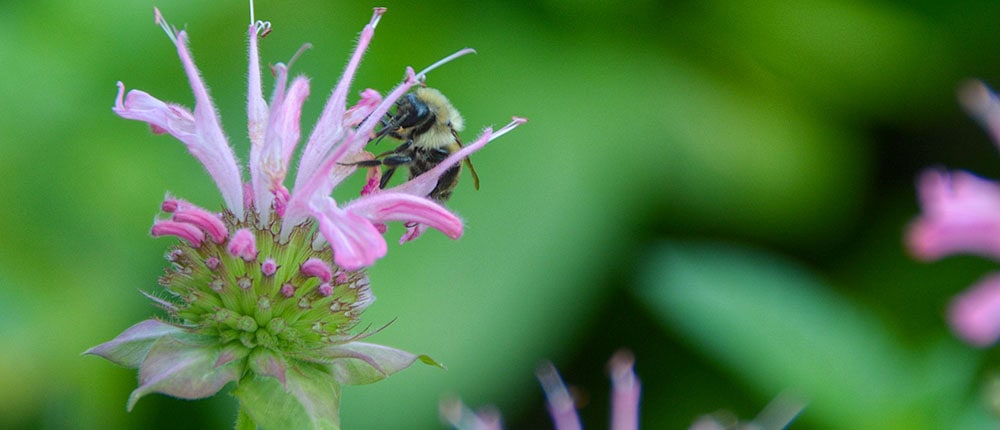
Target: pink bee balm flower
266,292
961,215
625,393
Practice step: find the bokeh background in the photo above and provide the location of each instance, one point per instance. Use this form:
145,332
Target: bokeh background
720,187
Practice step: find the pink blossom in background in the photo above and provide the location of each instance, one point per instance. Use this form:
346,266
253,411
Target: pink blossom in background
960,214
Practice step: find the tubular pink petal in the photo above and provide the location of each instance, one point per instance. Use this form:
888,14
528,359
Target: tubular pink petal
266,168
139,105
423,184
243,244
330,126
189,232
624,392
318,186
316,180
392,206
256,106
961,214
355,242
975,314
288,123
321,181
317,268
279,144
211,146
560,403
172,204
370,99
983,105
199,131
413,232
257,112
205,220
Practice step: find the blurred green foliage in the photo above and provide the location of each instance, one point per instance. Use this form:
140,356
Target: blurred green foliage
787,132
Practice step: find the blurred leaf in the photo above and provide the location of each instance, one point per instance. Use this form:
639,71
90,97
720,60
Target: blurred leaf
779,328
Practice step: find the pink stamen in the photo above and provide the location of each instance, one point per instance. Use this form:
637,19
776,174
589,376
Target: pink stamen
212,262
316,268
192,234
243,244
287,290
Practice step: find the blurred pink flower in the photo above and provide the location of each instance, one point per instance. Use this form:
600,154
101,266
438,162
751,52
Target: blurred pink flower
961,215
625,390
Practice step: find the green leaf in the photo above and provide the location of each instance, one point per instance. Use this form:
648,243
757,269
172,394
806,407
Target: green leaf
779,328
130,347
310,399
184,368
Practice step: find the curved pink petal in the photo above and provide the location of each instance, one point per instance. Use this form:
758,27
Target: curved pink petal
355,241
625,392
393,206
279,144
211,147
199,131
256,106
422,185
330,126
984,105
162,117
370,99
975,314
961,214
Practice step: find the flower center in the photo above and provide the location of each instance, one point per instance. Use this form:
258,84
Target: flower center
285,296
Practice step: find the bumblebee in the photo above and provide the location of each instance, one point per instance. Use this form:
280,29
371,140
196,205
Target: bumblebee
428,125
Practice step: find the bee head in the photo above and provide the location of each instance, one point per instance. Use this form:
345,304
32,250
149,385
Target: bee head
410,112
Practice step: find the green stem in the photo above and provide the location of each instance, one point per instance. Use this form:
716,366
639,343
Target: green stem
244,422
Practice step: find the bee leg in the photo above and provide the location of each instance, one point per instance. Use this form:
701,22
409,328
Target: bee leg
437,155
363,163
392,163
385,177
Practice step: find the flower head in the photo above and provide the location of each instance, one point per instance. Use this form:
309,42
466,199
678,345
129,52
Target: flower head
961,215
267,291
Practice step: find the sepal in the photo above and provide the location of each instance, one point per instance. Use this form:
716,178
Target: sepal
130,348
359,363
184,367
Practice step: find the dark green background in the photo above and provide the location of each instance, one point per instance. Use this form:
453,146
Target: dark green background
719,186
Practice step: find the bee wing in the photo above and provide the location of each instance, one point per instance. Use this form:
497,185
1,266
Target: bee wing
467,161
